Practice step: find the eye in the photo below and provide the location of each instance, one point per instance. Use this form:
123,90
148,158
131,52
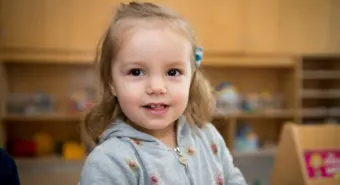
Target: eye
136,72
174,72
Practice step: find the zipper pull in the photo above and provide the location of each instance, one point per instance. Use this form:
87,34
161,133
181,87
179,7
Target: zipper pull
182,159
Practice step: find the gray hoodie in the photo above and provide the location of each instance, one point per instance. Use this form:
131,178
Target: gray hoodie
126,156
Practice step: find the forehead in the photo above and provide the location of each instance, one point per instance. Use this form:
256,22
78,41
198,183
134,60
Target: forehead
154,43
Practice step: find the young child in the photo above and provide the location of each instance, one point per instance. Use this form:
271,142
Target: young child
151,126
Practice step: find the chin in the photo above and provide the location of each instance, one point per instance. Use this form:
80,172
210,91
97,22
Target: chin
155,125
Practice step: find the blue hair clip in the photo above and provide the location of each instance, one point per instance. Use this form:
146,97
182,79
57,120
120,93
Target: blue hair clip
198,55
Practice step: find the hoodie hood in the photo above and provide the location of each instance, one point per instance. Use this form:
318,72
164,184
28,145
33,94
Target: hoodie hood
120,129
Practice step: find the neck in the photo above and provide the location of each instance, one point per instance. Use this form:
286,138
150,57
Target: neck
166,135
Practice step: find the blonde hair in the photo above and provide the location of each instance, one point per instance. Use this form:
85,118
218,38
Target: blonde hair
201,102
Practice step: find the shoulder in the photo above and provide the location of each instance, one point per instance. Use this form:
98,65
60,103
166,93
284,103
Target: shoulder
208,131
108,164
6,159
112,150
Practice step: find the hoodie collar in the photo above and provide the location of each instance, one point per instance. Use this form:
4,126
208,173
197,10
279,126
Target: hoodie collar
120,129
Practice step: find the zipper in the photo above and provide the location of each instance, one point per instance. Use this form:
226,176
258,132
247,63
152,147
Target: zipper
184,162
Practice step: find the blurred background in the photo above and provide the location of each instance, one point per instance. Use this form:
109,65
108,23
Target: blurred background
272,62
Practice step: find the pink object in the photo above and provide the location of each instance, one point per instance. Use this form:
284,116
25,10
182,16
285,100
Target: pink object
191,150
322,163
214,148
154,180
219,179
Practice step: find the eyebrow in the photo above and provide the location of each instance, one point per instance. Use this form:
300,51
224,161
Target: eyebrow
143,63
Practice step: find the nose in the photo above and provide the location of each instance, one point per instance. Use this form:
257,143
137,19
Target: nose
156,86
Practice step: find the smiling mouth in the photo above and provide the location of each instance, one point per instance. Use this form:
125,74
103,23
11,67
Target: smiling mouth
156,106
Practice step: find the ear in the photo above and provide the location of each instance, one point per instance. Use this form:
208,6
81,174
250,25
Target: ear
113,90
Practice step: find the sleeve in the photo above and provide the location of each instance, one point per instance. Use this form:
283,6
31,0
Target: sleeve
103,169
9,169
232,174
13,176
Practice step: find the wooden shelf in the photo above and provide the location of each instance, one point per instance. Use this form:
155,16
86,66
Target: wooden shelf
321,74
249,61
264,114
44,117
322,94
320,112
45,163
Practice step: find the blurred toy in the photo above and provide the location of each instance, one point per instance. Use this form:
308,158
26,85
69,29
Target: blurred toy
20,103
44,144
246,138
228,100
73,151
251,103
21,148
81,100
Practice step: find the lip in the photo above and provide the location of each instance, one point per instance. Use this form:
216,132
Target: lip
156,112
156,103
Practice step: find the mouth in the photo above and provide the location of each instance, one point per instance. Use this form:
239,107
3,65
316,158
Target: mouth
156,106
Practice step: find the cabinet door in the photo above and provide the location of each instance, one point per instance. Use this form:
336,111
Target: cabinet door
89,20
304,26
334,36
22,23
261,26
218,25
57,22
35,24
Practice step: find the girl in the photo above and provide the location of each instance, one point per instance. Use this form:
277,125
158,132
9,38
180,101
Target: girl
151,124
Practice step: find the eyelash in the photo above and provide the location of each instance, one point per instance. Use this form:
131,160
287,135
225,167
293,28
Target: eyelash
179,72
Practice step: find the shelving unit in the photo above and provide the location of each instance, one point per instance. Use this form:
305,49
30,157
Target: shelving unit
57,80
254,79
320,89
62,125
292,81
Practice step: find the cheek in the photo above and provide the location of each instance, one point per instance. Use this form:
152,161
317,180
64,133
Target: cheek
127,93
180,94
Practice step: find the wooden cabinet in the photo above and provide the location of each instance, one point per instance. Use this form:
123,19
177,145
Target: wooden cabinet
23,24
218,25
334,36
304,26
293,27
70,29
53,30
89,19
261,26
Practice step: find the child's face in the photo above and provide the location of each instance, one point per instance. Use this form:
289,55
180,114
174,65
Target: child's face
151,77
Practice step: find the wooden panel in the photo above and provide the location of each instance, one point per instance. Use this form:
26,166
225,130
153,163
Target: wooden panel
218,24
334,38
3,92
22,23
89,20
304,26
53,30
261,27
212,59
288,157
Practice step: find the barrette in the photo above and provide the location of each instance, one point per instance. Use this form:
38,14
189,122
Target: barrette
198,55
